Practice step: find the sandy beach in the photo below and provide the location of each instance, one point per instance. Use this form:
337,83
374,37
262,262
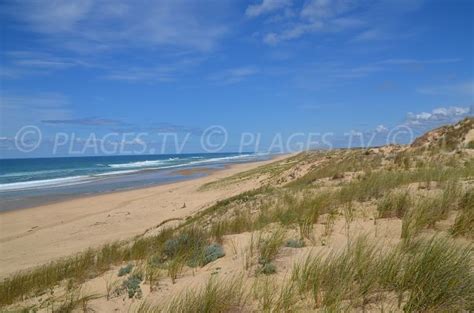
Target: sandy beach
37,235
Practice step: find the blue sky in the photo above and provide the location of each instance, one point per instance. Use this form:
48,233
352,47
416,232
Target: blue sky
271,66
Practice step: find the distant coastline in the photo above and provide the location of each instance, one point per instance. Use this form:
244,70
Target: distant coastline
27,183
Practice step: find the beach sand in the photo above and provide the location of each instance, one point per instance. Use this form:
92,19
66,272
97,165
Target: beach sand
37,235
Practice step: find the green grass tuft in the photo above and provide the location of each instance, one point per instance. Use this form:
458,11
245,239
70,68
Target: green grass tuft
394,204
464,224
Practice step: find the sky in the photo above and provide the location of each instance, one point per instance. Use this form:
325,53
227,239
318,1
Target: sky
88,69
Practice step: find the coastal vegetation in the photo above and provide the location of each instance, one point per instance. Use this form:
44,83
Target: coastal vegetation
381,229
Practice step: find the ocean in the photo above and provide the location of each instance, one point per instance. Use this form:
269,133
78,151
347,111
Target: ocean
29,182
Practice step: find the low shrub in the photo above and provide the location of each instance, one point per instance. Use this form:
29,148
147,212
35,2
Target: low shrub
125,270
267,269
212,253
294,243
132,285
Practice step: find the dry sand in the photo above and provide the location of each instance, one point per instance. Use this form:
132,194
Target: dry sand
37,235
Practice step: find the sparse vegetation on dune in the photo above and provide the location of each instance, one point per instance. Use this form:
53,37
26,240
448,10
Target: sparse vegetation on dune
429,275
214,297
298,202
464,224
78,268
394,204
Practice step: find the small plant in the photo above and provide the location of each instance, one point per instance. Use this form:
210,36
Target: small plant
152,275
294,243
175,267
110,285
214,297
416,219
329,225
212,253
268,246
464,224
394,204
187,246
73,301
249,253
267,269
125,270
132,285
426,212
305,226
273,297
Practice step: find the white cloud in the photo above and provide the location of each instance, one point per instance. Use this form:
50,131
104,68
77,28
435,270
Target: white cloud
323,9
368,35
88,26
379,20
455,111
22,63
463,88
381,129
156,73
418,61
266,6
437,116
55,16
234,75
316,16
20,110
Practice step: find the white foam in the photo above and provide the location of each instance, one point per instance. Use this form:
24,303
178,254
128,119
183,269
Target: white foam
230,158
54,182
116,173
137,164
164,163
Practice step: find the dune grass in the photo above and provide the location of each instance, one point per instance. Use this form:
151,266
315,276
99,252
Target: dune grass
80,267
429,210
437,276
338,276
429,275
169,249
72,301
394,204
268,245
464,223
273,296
267,171
216,296
336,163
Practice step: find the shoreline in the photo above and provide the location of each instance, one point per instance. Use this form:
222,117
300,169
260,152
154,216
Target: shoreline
40,234
186,174
115,181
